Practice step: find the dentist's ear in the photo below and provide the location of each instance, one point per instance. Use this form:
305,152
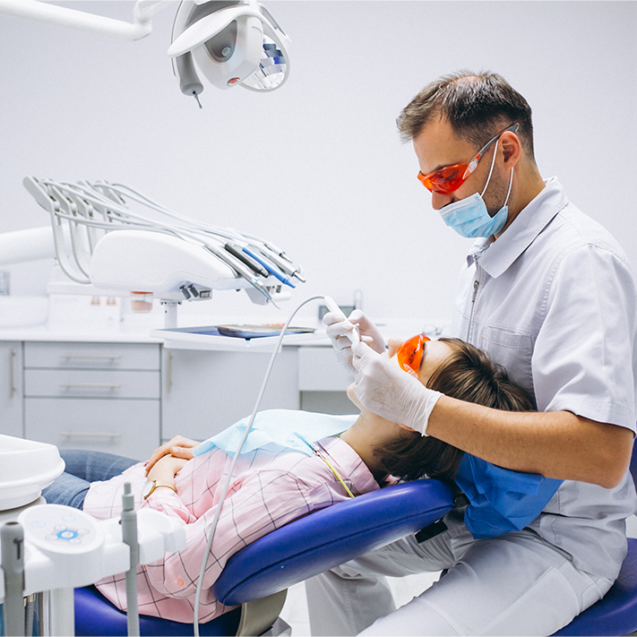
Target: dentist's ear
510,149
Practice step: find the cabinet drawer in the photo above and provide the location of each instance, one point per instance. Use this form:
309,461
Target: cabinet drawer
92,355
128,428
91,383
320,371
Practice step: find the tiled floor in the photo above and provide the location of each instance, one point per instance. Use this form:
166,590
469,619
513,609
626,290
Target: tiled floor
295,610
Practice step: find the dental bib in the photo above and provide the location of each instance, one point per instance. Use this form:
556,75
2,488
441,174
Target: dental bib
278,428
501,500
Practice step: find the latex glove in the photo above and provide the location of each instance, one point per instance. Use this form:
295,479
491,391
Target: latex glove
382,387
337,328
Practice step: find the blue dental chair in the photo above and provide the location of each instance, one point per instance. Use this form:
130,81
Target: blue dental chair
257,577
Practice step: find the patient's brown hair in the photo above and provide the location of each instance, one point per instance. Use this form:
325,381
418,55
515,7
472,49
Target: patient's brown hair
467,374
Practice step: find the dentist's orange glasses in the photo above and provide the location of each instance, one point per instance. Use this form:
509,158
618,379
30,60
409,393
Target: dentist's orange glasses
409,354
448,179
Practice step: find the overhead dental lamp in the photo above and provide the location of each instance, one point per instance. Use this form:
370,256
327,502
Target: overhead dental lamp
230,42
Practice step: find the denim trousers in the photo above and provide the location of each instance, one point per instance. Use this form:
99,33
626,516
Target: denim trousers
82,468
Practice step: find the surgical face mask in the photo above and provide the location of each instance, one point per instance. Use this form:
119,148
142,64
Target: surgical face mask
469,217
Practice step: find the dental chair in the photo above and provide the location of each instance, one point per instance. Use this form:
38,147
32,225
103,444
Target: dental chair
616,612
257,576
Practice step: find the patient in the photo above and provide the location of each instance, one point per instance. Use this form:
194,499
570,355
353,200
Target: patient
272,485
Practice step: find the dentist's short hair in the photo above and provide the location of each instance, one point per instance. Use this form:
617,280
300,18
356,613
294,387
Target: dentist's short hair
466,374
477,105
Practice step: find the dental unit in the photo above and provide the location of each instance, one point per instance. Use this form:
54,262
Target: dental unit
103,244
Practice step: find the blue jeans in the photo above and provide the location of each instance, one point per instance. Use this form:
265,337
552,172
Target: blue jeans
82,468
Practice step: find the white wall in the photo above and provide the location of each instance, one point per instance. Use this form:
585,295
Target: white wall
317,166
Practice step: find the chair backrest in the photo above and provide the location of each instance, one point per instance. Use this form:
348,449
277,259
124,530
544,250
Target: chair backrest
329,537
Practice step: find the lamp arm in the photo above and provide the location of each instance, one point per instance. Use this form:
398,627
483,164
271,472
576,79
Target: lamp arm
61,16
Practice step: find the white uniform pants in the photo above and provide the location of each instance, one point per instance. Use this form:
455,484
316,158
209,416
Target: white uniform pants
515,584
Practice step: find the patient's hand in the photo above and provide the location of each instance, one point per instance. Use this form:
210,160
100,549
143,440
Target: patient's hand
178,447
166,468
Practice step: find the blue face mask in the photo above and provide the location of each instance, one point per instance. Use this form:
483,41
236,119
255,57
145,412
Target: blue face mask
469,217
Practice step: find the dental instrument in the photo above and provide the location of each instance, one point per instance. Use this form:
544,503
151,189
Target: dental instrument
100,242
130,538
12,560
248,428
353,335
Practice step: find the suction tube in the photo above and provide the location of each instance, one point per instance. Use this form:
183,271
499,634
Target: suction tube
226,486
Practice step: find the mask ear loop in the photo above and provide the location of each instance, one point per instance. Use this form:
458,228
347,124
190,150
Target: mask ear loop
495,150
506,201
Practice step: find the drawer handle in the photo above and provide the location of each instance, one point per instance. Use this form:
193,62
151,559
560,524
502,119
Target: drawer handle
100,357
12,387
89,386
87,434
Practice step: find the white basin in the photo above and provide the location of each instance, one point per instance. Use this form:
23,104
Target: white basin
26,467
20,311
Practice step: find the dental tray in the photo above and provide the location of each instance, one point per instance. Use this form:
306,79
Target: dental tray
243,331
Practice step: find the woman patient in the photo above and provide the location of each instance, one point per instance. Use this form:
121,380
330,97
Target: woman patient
273,485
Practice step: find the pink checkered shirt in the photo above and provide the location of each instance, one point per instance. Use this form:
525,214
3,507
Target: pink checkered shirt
268,490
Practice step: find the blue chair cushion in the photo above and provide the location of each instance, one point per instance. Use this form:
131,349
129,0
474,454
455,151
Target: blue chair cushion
95,615
289,555
616,613
332,536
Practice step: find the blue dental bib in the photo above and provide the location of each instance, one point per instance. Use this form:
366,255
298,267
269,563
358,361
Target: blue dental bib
501,500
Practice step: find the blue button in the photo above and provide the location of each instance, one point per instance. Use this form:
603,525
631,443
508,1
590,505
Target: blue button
67,534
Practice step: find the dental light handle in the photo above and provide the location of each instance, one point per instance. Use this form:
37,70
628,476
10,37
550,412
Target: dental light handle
129,536
12,547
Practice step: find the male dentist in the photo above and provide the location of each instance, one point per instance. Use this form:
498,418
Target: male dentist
548,293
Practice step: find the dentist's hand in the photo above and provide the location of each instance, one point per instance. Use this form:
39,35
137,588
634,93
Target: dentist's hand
337,328
382,387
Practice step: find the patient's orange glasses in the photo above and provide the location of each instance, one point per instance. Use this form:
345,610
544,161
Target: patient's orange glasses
409,354
446,180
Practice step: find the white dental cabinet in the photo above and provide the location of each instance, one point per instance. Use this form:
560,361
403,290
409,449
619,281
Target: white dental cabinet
96,377
127,396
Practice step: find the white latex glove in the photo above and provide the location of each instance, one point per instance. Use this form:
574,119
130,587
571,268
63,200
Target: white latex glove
338,327
382,387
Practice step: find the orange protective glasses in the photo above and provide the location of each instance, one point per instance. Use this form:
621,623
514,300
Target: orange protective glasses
446,180
409,354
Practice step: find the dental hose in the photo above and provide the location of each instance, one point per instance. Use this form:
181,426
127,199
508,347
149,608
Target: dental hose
226,486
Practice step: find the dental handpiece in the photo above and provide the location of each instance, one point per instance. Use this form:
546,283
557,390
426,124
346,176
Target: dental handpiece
354,335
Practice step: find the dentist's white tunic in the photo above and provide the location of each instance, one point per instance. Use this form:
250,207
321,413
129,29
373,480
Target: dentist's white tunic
554,301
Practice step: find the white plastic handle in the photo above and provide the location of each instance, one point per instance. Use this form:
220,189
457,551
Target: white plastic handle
354,335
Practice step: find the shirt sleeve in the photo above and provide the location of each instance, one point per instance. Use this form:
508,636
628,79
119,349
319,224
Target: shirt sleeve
168,502
584,357
255,506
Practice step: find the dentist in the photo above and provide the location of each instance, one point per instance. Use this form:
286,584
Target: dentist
548,294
